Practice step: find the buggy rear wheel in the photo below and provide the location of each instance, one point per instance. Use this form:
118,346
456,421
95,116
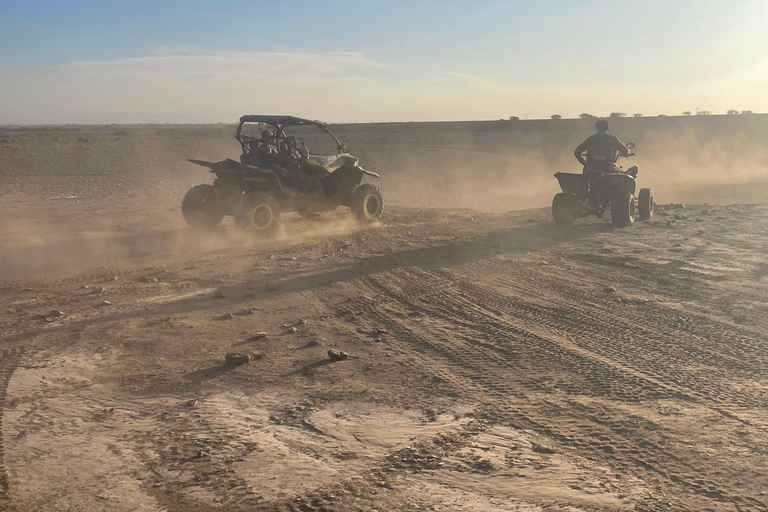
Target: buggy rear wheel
645,203
623,209
367,203
564,208
258,214
200,207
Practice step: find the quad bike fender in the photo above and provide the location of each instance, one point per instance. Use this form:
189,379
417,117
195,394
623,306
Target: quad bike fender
621,182
575,184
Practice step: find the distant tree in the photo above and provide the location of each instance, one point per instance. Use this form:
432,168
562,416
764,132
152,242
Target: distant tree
618,114
662,115
687,113
514,118
587,116
637,115
746,112
733,112
556,116
703,113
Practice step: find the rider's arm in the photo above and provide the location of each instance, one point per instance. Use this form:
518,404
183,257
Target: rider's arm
623,151
579,153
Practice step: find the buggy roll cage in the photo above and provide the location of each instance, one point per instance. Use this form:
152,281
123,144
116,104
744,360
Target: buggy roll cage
279,122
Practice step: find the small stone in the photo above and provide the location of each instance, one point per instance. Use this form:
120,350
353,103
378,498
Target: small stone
245,311
338,355
227,316
145,279
258,336
302,321
609,449
97,290
236,358
219,294
55,313
292,330
610,289
669,224
106,303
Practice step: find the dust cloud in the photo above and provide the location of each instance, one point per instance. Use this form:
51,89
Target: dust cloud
77,197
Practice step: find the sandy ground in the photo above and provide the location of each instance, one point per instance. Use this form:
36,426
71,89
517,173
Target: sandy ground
498,362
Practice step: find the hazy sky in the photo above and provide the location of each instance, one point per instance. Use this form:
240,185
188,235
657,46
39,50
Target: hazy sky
103,61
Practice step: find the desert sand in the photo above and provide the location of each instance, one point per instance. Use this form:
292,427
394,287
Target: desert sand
497,361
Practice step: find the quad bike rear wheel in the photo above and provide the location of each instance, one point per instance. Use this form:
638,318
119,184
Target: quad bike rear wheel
367,203
200,207
564,208
623,209
645,203
258,214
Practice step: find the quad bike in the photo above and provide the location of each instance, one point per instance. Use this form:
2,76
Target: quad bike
276,174
595,192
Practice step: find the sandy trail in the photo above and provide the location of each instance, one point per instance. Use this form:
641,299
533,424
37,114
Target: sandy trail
499,362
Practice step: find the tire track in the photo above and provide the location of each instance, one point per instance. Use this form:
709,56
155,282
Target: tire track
9,361
485,346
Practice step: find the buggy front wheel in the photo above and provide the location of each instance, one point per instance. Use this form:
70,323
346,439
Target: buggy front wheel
367,203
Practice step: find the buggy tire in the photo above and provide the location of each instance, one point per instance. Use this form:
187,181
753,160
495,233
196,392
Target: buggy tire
200,207
645,204
564,209
258,214
367,203
623,209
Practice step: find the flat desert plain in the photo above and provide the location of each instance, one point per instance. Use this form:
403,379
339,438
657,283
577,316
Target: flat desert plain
497,361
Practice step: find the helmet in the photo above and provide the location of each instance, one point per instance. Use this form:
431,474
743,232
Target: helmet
602,125
265,134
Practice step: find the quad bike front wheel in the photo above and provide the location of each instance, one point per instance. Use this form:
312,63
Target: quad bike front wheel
564,209
645,203
258,214
623,209
367,203
200,207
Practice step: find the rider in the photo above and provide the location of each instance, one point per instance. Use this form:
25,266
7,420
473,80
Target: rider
601,150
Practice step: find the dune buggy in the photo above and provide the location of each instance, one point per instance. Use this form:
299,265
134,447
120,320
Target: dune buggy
595,192
277,174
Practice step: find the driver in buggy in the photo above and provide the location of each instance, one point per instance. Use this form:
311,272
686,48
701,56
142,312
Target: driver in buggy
602,150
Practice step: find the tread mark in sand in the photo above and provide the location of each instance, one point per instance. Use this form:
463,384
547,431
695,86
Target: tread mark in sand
9,361
488,374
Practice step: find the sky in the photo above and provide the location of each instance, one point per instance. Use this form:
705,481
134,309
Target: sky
96,61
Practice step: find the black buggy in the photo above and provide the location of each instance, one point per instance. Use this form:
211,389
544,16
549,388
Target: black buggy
277,174
595,192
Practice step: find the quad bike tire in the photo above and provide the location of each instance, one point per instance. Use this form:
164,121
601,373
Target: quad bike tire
645,204
200,207
367,203
564,209
258,214
623,209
